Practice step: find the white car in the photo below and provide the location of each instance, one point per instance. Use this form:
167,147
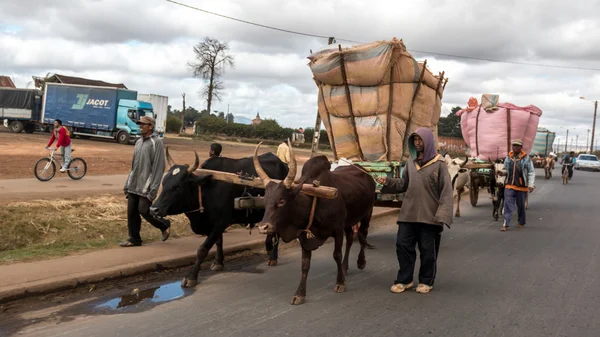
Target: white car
587,162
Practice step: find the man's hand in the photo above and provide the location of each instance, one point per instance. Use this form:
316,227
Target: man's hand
381,180
531,189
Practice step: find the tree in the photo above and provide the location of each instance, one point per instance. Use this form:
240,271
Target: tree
230,118
210,64
269,129
449,126
221,115
173,124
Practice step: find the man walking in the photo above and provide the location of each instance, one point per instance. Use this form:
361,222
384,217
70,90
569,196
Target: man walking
63,141
283,152
141,187
520,180
426,208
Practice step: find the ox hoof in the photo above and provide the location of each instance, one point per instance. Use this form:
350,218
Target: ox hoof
361,265
187,283
339,288
457,215
272,263
297,300
216,267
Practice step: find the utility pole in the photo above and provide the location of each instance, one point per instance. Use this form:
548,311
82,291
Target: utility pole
594,126
182,114
587,140
567,140
577,143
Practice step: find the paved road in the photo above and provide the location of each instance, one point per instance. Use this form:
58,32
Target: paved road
539,281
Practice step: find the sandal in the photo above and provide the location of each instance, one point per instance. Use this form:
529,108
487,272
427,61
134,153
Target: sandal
504,228
129,244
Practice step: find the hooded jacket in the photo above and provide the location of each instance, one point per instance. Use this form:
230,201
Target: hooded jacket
147,167
427,183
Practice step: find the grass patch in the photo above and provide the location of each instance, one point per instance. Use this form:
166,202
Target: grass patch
43,229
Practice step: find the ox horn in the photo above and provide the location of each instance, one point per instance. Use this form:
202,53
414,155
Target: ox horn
289,180
169,159
196,163
465,162
259,170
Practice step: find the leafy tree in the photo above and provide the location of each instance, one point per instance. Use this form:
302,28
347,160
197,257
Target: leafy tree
268,129
230,118
449,126
210,125
310,132
211,60
173,124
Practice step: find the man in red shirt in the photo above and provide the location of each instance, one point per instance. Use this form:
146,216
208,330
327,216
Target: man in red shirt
64,140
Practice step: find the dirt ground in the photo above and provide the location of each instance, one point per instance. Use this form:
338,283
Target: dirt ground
21,151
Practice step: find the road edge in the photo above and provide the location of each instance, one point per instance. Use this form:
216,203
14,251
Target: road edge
12,293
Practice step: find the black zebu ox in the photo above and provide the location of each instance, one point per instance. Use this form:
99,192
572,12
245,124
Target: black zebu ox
180,194
288,213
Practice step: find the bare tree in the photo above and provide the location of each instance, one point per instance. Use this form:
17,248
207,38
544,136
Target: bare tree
210,63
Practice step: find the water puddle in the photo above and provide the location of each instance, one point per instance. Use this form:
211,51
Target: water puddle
156,295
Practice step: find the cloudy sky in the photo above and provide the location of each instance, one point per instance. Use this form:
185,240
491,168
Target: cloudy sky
147,44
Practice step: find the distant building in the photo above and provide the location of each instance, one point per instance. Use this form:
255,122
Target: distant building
6,82
256,120
57,78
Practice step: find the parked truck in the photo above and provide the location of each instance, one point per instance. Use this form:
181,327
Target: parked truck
18,107
89,111
160,105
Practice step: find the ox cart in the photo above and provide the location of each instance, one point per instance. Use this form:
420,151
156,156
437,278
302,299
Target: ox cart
371,98
479,177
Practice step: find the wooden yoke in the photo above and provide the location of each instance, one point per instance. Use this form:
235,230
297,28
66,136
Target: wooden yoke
325,192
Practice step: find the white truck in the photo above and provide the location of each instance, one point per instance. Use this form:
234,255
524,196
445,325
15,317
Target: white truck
160,106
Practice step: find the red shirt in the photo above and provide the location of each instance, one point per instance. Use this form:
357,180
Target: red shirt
63,139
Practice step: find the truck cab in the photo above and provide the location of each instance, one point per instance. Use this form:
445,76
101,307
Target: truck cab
129,113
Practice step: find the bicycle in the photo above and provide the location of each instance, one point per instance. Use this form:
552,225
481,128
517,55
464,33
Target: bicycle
76,170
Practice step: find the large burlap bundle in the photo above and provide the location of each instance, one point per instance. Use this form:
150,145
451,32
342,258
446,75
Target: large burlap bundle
383,85
488,133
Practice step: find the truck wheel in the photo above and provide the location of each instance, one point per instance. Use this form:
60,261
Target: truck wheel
29,128
16,126
123,137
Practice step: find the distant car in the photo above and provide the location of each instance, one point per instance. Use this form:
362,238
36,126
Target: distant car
587,162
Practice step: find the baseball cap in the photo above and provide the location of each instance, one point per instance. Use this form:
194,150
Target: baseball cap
146,120
517,142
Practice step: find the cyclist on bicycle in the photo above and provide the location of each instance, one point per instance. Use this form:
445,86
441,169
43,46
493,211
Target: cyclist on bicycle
64,142
568,161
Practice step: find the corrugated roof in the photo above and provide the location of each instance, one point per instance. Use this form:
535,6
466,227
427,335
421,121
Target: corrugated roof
6,82
57,78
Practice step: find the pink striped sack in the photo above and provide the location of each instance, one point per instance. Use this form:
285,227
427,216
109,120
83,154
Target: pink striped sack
488,133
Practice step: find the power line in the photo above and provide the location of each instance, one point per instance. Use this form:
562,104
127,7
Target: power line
412,51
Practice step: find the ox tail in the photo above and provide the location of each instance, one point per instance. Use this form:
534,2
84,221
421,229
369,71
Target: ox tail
454,180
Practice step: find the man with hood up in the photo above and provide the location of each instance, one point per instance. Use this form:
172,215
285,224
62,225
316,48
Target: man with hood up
426,208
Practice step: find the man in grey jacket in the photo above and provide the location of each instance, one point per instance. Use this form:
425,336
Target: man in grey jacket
426,209
141,187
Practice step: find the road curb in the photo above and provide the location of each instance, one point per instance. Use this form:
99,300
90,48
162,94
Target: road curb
11,293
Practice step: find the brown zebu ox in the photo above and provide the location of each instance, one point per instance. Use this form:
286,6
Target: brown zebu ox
293,215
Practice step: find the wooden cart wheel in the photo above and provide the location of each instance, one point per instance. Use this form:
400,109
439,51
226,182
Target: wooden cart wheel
474,192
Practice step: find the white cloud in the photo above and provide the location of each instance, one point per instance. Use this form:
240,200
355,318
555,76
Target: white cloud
147,44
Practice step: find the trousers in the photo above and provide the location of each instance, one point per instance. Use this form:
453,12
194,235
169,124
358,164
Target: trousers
428,238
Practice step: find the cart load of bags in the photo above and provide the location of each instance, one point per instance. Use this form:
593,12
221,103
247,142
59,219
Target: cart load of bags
489,127
373,96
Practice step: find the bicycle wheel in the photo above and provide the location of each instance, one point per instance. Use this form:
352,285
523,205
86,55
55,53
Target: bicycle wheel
44,169
77,168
